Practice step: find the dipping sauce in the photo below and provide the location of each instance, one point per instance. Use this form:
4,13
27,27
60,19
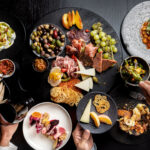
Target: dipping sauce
40,65
6,67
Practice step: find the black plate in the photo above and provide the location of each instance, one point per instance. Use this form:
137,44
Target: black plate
120,94
112,113
107,79
19,29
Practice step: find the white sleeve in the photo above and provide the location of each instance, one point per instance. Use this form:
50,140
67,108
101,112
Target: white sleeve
10,147
93,148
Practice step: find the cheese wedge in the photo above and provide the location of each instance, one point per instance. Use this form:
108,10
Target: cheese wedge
88,72
90,83
85,118
84,85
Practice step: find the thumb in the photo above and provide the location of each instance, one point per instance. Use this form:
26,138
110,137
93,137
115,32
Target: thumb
86,135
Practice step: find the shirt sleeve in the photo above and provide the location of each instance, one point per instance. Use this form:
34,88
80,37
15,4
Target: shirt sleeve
10,147
93,148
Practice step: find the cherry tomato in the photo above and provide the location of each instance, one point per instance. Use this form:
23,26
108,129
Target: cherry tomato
87,30
63,70
55,34
74,57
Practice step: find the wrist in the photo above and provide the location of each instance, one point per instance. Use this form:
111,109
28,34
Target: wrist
5,139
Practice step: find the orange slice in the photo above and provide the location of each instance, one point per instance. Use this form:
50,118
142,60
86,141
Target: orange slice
65,22
95,118
105,119
73,18
36,115
69,19
79,23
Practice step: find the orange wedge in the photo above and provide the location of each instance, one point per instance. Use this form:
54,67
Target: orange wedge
69,19
105,119
95,118
73,18
65,22
79,23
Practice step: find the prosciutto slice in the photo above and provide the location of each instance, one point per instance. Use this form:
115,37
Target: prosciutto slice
67,63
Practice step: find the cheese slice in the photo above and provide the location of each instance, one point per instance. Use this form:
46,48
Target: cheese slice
85,118
88,72
84,85
90,83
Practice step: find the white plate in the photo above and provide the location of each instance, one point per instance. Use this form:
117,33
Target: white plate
131,30
39,141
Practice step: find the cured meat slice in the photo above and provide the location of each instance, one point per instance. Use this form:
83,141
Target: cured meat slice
97,62
90,50
107,63
78,34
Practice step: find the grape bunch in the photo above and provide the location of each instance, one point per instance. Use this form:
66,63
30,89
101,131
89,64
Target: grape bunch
103,41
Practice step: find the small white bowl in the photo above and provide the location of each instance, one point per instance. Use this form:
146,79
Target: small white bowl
9,75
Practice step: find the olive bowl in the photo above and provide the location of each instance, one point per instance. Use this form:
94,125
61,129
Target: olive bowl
145,67
61,48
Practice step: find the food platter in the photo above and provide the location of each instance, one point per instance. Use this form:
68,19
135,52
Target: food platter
19,29
39,141
121,96
131,30
112,113
107,78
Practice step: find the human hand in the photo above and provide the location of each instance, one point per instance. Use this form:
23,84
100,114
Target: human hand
82,138
7,133
145,86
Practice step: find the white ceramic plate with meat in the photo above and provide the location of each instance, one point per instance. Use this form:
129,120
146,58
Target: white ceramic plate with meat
37,140
131,30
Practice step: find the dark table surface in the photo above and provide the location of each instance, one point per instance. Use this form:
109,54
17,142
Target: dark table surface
29,11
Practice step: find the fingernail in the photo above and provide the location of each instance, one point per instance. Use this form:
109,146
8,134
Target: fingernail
141,82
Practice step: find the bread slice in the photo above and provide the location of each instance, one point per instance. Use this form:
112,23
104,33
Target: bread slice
107,63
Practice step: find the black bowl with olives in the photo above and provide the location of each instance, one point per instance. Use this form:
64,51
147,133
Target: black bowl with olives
47,40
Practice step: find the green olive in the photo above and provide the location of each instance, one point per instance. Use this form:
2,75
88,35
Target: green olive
38,49
95,79
53,41
58,43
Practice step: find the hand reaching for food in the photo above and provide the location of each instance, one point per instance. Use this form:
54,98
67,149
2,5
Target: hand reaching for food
145,86
7,132
82,138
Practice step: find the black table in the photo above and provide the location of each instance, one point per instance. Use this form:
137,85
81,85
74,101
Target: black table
29,11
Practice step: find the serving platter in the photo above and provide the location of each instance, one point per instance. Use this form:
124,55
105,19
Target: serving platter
16,24
121,96
107,78
131,27
39,141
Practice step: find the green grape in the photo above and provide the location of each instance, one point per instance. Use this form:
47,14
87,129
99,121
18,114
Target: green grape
112,47
107,49
115,50
99,50
112,41
105,55
94,26
99,29
96,37
92,33
104,38
99,24
102,34
103,44
108,37
97,41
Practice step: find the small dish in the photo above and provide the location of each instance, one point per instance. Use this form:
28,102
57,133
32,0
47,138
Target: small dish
11,69
112,113
47,40
41,60
145,67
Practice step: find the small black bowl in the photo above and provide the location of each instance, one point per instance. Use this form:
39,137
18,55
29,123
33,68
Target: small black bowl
145,66
112,113
47,64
